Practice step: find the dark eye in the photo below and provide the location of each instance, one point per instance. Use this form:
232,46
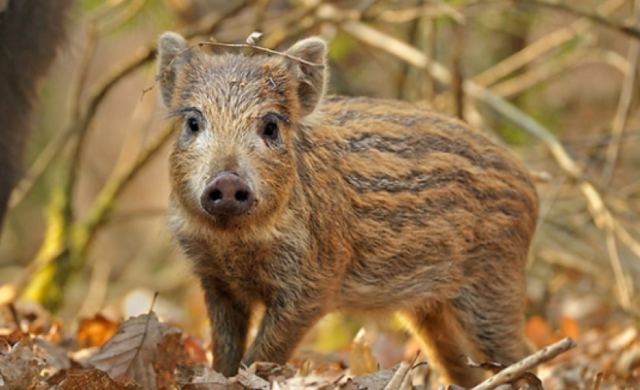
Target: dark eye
193,125
270,130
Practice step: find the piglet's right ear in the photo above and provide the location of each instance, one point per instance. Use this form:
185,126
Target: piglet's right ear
173,54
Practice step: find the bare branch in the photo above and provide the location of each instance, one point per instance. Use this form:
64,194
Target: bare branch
541,46
520,368
624,105
631,31
260,48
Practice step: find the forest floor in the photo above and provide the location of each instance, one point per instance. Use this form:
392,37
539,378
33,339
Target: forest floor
36,352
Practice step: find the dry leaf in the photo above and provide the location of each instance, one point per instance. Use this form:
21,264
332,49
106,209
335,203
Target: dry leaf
376,380
569,327
250,380
171,354
206,379
401,378
272,372
20,367
130,355
83,378
55,357
195,351
539,331
94,332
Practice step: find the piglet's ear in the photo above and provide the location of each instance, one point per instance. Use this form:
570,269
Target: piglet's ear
173,53
312,73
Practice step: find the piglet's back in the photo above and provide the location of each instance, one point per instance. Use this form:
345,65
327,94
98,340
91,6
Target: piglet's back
420,193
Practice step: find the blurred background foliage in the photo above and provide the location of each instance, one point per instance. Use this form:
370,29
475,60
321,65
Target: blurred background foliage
87,230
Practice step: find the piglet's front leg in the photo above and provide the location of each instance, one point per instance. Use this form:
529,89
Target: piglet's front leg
230,322
286,320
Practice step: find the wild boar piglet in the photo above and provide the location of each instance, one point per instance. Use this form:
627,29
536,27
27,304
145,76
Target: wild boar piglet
306,203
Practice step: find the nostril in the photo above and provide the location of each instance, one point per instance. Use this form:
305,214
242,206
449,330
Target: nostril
242,196
215,195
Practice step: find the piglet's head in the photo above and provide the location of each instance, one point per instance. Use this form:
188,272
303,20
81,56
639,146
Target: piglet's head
233,162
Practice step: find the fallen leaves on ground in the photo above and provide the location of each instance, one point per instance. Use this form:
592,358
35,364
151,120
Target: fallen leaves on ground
145,353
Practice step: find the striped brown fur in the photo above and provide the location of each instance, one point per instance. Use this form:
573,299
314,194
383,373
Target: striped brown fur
361,204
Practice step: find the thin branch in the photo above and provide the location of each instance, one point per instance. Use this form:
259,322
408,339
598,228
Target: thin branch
76,98
38,168
541,46
423,11
260,48
623,287
413,36
629,30
538,74
101,210
624,105
458,73
517,370
556,66
131,10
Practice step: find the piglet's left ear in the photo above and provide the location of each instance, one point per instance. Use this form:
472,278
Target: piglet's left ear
312,76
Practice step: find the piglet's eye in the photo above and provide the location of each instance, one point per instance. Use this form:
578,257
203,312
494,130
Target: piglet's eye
193,125
270,131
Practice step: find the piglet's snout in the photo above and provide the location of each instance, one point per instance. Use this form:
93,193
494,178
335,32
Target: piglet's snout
227,194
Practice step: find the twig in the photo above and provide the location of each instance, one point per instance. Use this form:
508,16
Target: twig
15,317
631,31
623,286
97,290
132,9
538,74
105,201
458,74
541,46
400,377
597,380
624,106
85,66
413,35
137,214
419,12
552,68
38,168
260,48
518,369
